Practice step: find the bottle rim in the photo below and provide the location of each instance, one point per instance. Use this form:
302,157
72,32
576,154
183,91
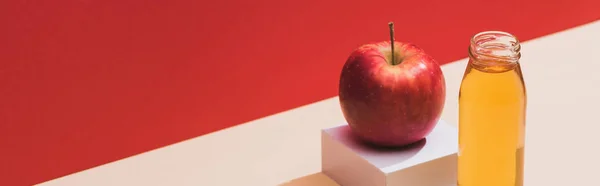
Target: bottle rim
498,45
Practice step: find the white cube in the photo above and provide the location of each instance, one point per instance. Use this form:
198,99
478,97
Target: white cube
430,162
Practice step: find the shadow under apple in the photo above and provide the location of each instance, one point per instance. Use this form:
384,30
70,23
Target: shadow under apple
379,156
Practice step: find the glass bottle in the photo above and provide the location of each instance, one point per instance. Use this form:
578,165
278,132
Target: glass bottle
492,107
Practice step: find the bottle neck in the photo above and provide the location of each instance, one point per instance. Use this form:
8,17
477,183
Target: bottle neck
495,46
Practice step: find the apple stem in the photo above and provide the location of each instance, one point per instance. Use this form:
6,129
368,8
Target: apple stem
391,24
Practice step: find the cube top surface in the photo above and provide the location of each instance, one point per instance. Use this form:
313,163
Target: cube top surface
441,142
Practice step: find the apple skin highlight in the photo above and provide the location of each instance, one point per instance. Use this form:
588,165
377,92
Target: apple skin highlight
389,104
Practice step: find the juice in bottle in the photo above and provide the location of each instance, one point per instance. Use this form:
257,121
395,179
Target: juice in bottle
492,108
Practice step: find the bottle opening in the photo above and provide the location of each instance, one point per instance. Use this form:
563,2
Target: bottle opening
496,46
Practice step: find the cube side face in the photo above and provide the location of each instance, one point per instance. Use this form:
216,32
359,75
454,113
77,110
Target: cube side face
438,172
346,167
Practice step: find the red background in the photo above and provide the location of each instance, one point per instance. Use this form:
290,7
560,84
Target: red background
85,82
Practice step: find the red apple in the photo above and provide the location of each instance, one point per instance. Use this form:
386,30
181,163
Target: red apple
391,102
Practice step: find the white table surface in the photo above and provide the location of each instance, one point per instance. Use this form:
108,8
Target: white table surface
562,143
